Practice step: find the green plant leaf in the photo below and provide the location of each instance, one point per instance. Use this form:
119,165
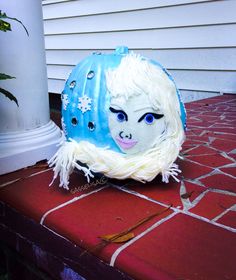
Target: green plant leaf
5,76
9,95
5,26
4,15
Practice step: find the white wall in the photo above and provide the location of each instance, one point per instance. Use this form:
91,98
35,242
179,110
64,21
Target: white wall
194,39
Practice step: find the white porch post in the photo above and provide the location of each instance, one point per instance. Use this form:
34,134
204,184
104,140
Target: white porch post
27,134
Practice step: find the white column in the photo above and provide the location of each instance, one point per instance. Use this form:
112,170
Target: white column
27,134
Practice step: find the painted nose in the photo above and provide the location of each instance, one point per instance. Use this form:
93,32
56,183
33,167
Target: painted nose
123,135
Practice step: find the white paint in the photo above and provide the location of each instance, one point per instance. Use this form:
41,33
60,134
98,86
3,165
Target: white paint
20,178
155,225
178,210
83,8
209,221
68,202
57,234
21,149
193,95
185,201
55,85
12,143
127,244
206,14
198,198
173,59
223,192
210,81
26,133
184,35
124,189
232,208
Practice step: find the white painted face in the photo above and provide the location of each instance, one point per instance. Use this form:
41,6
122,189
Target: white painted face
134,124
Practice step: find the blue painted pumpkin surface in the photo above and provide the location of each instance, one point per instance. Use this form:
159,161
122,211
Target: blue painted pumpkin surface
85,100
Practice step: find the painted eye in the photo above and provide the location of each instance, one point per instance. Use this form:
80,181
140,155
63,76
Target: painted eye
149,119
120,117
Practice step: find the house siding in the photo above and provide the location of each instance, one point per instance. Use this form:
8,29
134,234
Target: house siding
194,40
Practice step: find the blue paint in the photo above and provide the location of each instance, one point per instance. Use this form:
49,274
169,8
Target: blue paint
89,75
41,256
182,108
69,274
87,80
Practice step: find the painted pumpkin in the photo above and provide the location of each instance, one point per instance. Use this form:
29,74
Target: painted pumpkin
123,117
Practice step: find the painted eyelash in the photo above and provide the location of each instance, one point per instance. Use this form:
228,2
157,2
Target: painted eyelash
156,116
119,111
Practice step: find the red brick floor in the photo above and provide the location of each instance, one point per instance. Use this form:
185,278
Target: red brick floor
194,239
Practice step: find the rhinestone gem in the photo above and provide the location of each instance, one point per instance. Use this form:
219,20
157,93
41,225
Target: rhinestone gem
91,126
74,121
72,84
90,75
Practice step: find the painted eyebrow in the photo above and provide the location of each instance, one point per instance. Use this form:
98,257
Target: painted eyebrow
156,116
113,110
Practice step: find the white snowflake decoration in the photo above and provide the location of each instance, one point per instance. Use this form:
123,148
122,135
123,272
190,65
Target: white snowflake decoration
68,75
84,104
65,101
63,126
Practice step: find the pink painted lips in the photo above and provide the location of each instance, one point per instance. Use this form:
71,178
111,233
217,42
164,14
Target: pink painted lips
126,143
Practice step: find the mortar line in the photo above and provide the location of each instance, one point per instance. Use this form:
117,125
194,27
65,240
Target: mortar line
68,202
23,178
177,210
133,240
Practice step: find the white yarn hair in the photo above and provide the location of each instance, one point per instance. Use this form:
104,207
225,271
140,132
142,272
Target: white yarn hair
132,77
